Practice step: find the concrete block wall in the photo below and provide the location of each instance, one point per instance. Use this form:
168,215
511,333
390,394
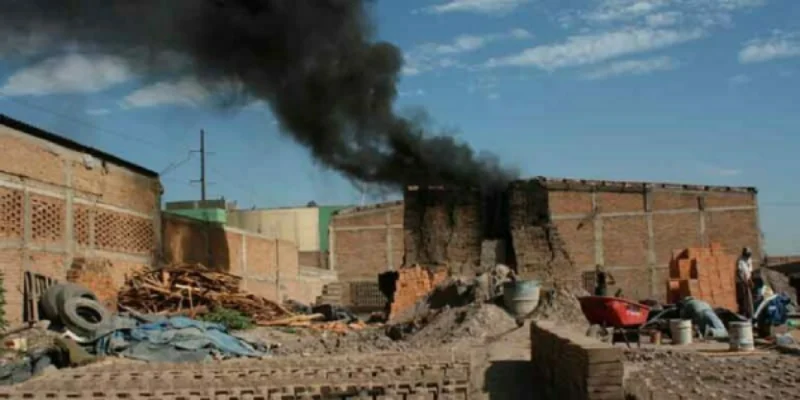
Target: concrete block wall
568,365
59,202
366,241
269,267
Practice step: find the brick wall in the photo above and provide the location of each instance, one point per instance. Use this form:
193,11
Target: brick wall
366,241
58,203
560,229
443,227
633,229
269,267
569,365
540,252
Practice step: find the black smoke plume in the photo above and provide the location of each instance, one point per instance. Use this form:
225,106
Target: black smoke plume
315,63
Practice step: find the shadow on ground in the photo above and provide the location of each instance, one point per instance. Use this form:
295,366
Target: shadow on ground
509,380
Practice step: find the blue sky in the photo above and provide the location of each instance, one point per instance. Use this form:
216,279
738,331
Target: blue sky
695,91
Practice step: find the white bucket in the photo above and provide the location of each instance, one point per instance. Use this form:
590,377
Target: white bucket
681,330
741,336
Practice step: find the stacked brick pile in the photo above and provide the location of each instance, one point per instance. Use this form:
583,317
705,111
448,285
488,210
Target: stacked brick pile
708,274
413,283
95,275
569,365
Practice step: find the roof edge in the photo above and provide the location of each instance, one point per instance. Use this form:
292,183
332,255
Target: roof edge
371,207
605,184
73,145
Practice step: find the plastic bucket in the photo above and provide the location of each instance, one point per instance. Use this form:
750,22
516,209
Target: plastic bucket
741,336
521,297
681,330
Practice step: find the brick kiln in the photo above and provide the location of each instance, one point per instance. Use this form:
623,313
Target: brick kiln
557,230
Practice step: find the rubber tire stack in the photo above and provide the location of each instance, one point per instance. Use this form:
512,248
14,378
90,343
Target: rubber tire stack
61,303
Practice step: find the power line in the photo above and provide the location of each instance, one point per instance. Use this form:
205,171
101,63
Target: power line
234,182
82,122
175,165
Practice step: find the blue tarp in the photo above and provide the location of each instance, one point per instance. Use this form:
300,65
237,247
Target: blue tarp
176,339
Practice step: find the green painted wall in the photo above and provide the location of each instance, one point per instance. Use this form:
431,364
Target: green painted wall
209,215
325,216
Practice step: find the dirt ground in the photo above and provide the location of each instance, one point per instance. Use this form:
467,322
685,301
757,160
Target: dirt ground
762,374
499,350
453,327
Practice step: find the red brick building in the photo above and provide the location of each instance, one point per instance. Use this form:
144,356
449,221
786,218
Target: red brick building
61,201
558,229
365,241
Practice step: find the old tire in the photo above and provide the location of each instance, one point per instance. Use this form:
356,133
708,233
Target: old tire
85,317
48,304
70,290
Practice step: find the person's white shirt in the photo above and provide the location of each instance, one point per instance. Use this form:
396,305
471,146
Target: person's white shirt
744,268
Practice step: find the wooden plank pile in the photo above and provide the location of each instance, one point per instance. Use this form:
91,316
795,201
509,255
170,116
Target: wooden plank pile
194,289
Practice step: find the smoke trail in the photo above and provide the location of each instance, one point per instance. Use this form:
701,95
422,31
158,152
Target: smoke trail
314,61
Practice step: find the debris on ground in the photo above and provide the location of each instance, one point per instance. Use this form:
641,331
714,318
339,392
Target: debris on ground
561,304
196,289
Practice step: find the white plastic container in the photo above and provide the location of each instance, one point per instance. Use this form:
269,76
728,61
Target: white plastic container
681,330
741,336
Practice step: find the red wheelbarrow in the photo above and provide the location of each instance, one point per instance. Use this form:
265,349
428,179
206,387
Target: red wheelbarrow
621,315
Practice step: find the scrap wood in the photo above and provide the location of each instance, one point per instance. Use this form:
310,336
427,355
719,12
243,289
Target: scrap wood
297,319
194,289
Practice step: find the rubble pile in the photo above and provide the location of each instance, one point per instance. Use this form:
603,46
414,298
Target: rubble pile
194,289
561,304
707,274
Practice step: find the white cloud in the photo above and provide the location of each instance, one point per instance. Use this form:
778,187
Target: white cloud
614,10
98,111
431,56
657,13
662,19
187,92
476,6
716,170
633,67
591,49
72,73
740,79
779,46
468,43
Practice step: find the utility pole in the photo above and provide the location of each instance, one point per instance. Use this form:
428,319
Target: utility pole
202,151
202,165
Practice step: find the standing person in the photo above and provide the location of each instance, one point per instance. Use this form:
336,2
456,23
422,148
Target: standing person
744,283
604,279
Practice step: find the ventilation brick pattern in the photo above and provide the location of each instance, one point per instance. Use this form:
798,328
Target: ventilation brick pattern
47,219
10,213
123,233
81,228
